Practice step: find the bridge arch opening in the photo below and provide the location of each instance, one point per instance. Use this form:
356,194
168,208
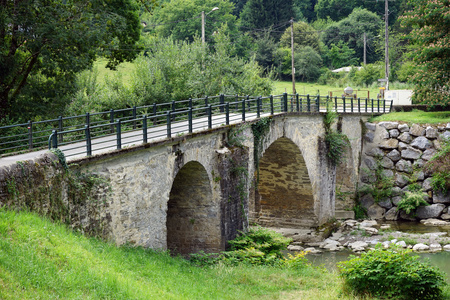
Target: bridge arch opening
284,196
193,222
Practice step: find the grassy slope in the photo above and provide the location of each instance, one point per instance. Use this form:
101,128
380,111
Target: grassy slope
41,260
419,117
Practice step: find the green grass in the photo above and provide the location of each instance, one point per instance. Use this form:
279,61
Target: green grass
304,88
125,70
416,116
43,260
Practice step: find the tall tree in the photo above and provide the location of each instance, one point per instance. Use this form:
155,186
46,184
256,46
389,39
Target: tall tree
430,23
258,14
53,39
304,35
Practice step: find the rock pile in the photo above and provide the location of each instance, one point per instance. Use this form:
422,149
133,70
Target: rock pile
402,151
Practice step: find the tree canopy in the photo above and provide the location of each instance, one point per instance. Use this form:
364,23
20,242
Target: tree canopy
304,35
56,39
430,22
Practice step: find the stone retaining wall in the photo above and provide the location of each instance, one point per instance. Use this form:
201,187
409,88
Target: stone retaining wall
402,151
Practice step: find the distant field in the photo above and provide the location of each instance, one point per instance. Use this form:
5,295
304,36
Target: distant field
304,88
419,117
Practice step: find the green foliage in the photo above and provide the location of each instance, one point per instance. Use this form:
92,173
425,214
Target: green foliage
411,200
368,74
47,43
429,23
351,30
337,142
307,63
260,241
360,212
304,35
393,274
439,166
340,55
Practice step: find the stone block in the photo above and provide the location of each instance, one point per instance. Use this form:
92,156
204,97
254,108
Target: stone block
402,146
403,215
439,197
405,137
404,166
375,152
370,163
389,125
387,163
388,173
370,126
394,155
394,133
411,153
401,180
344,214
431,211
403,127
428,154
389,144
367,201
392,214
385,203
375,212
396,191
369,136
417,130
422,143
418,163
431,132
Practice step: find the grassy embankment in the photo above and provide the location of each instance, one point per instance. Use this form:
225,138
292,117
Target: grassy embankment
42,260
416,116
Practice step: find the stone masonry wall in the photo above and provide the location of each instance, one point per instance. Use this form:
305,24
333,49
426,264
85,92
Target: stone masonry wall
402,151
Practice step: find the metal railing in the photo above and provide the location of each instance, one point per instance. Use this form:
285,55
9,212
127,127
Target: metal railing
97,131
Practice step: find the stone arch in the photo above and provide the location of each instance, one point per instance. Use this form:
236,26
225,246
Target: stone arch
284,194
193,221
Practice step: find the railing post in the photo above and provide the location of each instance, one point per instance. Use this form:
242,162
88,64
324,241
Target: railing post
222,102
327,103
308,103
378,105
335,104
351,104
366,105
227,113
169,129
318,103
210,116
301,104
258,108
60,128
154,115
206,105
52,143
372,105
271,105
296,102
30,135
359,104
243,110
343,103
119,134
190,103
134,117
285,101
190,119
292,103
390,106
144,129
111,120
248,103
384,105
87,131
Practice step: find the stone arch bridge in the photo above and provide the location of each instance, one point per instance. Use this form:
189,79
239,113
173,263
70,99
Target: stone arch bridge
195,192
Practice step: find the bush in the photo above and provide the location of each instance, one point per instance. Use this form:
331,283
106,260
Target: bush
411,200
439,166
391,273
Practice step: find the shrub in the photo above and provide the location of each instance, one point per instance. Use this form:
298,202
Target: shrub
439,166
391,273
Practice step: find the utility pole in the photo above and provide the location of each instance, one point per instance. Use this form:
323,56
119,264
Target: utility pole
203,27
292,54
386,38
365,43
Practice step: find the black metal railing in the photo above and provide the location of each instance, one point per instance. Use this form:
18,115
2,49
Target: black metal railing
161,120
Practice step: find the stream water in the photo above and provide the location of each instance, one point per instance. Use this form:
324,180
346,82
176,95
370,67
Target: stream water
439,259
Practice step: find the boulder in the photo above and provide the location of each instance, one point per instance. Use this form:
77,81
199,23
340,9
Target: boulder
402,146
445,135
426,186
422,143
392,214
404,166
371,126
375,152
435,248
369,136
368,223
431,132
401,244
358,246
394,155
434,222
420,247
387,163
395,200
418,163
393,133
385,203
330,244
447,247
431,211
417,130
439,197
312,250
367,201
388,173
405,137
396,191
445,217
405,216
403,127
389,125
389,144
295,248
411,153
375,212
428,154
370,163
369,230
401,180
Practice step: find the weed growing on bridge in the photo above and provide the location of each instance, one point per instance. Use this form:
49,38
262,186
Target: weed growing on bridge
259,129
337,142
